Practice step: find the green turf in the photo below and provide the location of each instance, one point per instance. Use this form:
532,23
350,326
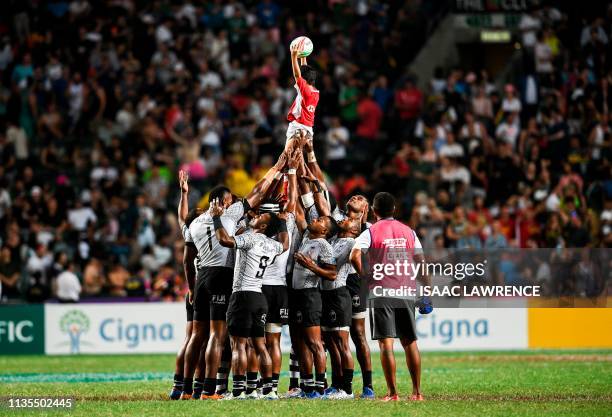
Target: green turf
534,383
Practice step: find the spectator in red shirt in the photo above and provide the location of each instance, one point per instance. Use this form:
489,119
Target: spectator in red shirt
370,117
408,103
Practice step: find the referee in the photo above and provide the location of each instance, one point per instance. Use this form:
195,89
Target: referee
390,319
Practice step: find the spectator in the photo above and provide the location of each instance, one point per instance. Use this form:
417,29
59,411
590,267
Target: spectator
9,274
337,139
408,103
68,286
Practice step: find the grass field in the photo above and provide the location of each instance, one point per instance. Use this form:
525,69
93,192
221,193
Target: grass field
534,383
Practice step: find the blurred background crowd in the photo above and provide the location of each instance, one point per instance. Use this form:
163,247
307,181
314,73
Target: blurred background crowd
102,102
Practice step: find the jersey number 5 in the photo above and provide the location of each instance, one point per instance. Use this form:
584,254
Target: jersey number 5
263,264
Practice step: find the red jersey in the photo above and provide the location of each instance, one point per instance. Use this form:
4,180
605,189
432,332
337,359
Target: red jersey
303,108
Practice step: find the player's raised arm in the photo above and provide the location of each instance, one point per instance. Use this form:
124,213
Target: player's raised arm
283,235
312,163
183,207
293,163
295,66
216,210
325,271
260,190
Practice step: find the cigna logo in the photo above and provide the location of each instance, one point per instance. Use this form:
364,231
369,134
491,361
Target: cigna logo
74,323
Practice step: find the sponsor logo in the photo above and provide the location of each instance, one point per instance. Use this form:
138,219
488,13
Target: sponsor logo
218,299
16,331
113,330
332,316
356,300
298,316
263,318
22,329
74,323
310,108
284,313
448,330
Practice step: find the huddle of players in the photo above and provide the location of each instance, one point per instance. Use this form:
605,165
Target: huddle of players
279,256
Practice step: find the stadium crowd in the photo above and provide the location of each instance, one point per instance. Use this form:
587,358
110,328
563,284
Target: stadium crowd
101,103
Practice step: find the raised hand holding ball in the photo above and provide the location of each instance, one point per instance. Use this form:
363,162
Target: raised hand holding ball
303,45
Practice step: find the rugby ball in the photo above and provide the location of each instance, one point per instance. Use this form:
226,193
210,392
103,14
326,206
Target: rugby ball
304,46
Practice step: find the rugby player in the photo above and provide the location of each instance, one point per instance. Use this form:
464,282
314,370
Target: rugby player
214,282
357,207
247,311
336,317
314,259
185,217
392,318
275,275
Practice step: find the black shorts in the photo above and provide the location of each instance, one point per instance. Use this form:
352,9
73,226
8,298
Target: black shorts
392,318
246,314
201,299
189,308
359,293
218,282
336,308
306,307
278,303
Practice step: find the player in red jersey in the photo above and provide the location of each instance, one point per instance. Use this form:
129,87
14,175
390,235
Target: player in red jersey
301,115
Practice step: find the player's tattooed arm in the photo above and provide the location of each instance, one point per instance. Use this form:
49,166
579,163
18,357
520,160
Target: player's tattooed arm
324,271
183,207
216,210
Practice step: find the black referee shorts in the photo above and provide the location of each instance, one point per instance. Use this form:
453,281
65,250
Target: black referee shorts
392,318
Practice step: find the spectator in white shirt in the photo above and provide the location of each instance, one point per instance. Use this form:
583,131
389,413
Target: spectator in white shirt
511,103
68,286
337,138
209,78
82,215
509,130
543,56
451,149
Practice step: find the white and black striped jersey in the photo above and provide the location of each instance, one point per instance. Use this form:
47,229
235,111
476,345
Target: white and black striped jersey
276,272
318,250
342,250
201,232
255,252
